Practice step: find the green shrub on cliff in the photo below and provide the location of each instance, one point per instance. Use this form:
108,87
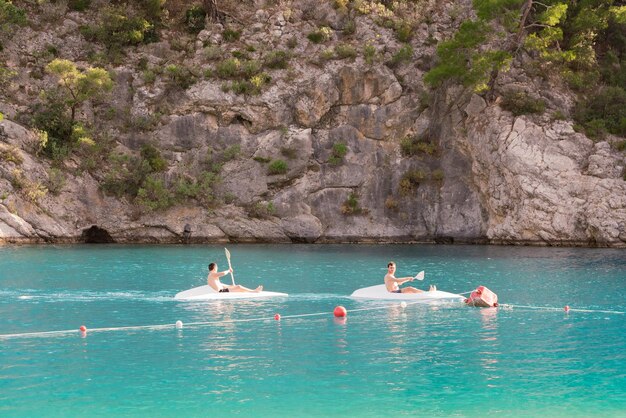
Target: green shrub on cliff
231,35
404,54
351,205
194,18
410,181
57,113
603,111
119,27
277,60
521,103
153,195
78,5
321,35
277,167
180,76
411,146
153,156
11,15
462,60
125,175
340,150
10,155
262,210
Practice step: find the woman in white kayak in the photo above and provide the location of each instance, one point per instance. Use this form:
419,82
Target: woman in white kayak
213,280
393,284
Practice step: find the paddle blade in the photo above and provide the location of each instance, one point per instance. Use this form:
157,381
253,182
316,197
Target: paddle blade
420,275
232,276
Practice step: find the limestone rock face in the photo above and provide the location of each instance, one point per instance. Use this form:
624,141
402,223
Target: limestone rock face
324,147
546,183
315,100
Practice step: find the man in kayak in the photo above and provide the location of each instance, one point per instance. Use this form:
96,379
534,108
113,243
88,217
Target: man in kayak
393,284
213,280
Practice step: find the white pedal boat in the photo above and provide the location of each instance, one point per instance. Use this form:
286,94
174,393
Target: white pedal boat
381,292
206,292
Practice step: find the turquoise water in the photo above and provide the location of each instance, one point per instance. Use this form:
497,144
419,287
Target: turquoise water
422,360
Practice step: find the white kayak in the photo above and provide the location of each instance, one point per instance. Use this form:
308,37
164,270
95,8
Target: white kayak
206,292
381,292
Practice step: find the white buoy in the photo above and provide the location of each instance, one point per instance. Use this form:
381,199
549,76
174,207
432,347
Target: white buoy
403,304
179,324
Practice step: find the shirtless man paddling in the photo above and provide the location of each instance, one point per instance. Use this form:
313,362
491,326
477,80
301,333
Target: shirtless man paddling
213,280
393,284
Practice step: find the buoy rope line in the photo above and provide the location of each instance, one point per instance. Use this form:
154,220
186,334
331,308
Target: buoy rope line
179,324
167,326
549,308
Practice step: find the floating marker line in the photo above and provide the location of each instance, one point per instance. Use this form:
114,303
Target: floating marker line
271,318
166,326
550,308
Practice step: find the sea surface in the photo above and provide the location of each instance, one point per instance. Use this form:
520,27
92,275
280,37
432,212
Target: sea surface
528,358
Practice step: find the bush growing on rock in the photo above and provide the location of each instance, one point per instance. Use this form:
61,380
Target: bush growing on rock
31,190
231,35
57,114
262,210
410,181
79,86
369,53
391,203
11,15
403,30
277,60
119,28
153,195
340,150
404,54
521,103
345,51
320,35
277,167
228,68
10,154
56,181
411,146
231,152
125,175
78,5
437,175
153,9
180,76
603,111
194,19
202,189
461,59
351,205
349,28
153,156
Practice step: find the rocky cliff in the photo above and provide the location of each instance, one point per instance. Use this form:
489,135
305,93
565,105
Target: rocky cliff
343,142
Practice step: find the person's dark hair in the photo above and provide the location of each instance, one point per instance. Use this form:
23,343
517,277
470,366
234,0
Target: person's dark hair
391,263
212,266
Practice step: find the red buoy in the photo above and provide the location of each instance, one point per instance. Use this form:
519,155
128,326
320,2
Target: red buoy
83,328
277,317
340,312
566,308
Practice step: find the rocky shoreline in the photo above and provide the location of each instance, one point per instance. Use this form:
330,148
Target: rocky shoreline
365,151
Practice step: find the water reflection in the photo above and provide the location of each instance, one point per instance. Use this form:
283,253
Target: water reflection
490,352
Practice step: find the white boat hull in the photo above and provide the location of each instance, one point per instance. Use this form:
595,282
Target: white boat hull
381,292
206,292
